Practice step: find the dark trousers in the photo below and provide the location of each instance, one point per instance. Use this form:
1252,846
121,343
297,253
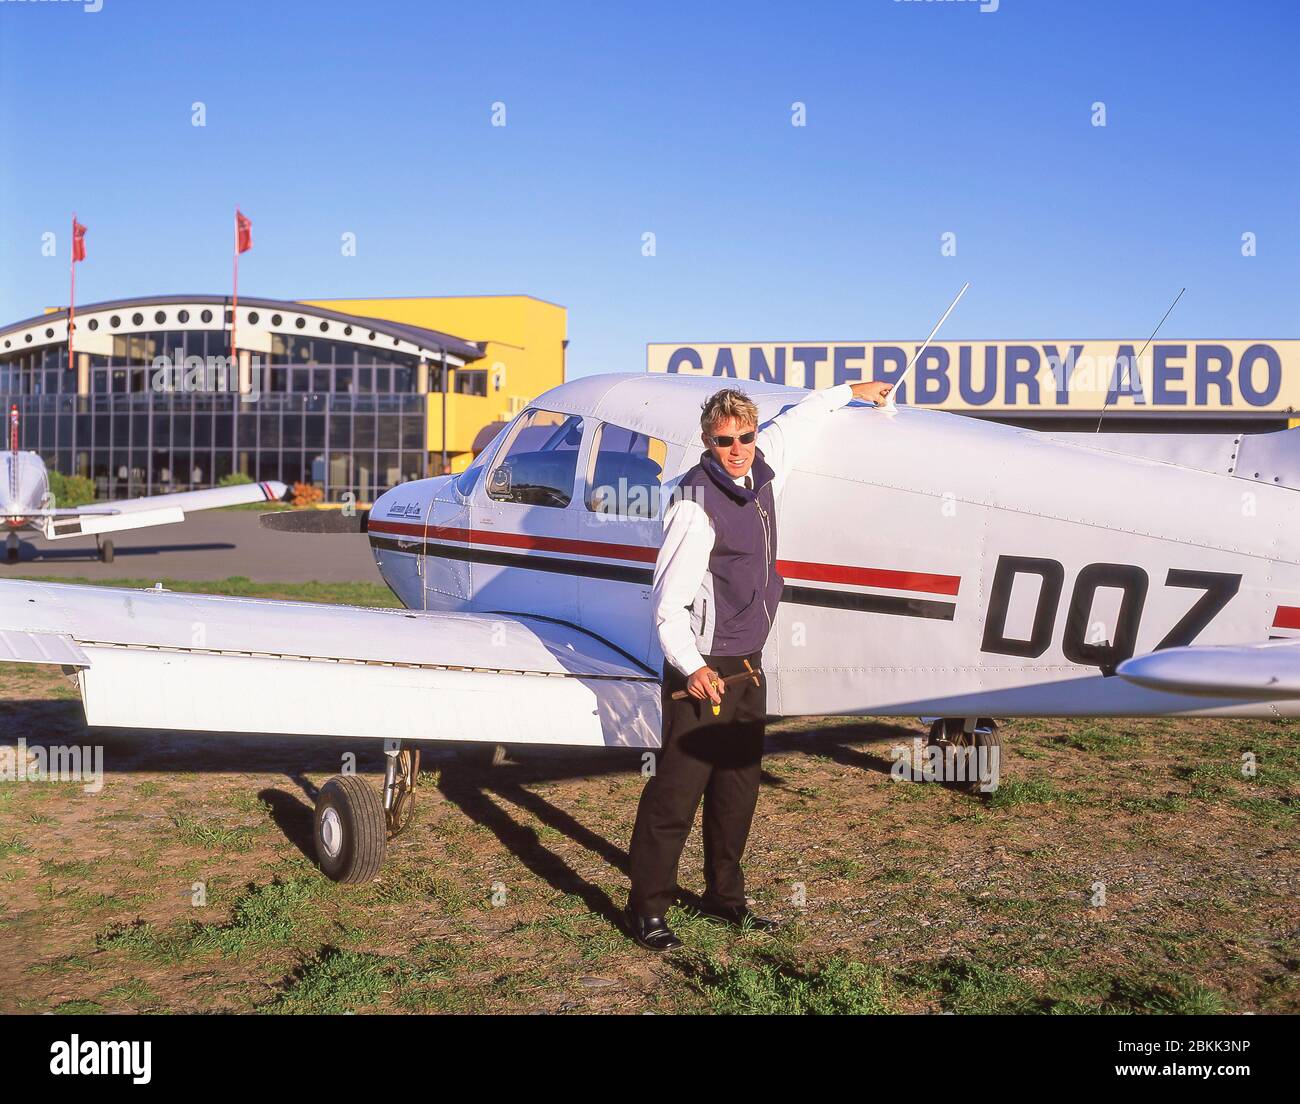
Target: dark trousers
716,758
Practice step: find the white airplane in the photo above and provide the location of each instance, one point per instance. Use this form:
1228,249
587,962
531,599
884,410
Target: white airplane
26,503
935,565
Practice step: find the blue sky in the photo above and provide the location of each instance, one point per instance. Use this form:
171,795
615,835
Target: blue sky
923,118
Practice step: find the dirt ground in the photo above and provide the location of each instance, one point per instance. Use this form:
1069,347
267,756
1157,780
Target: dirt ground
1121,866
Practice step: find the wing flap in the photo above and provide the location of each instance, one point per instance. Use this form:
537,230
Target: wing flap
57,528
164,509
17,646
1267,670
270,490
72,512
218,693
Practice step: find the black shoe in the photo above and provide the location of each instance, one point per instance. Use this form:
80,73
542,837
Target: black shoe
738,916
652,932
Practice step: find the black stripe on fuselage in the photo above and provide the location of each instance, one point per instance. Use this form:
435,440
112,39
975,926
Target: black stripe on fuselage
563,566
589,569
869,603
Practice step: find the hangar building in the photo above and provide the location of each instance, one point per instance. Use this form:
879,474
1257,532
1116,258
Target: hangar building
351,395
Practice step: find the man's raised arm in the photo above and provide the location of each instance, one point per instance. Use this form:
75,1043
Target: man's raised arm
784,438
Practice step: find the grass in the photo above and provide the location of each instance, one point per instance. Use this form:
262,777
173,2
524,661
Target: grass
73,868
203,834
133,993
1098,739
265,916
779,986
1026,792
337,981
13,846
961,985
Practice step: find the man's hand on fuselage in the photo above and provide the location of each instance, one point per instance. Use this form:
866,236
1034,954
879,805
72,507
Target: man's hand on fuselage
872,390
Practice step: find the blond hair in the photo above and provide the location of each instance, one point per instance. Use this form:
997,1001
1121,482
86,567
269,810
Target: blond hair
724,404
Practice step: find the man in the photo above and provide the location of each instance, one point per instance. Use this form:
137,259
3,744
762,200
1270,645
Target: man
715,595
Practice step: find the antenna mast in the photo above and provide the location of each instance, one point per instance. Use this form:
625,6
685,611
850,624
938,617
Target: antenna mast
1138,358
889,399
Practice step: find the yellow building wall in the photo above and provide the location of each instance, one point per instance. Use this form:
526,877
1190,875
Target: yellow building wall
524,354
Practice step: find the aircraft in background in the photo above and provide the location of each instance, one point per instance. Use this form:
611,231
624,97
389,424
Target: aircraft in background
935,566
26,503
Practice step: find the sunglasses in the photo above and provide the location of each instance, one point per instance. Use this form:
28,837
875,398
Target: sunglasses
725,441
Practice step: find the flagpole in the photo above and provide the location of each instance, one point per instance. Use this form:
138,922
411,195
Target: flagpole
72,293
234,310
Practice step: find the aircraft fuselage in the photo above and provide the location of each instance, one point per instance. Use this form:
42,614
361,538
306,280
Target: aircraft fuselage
933,564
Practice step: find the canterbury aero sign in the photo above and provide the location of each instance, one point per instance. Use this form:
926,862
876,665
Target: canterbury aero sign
1170,377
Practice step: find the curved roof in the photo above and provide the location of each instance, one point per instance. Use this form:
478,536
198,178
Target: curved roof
665,405
294,319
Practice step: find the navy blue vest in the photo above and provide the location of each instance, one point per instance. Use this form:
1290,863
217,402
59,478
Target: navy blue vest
735,607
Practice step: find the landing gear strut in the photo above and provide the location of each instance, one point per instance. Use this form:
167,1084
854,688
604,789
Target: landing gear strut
354,823
964,735
400,772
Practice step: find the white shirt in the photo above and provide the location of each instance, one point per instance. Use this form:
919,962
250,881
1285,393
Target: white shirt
688,533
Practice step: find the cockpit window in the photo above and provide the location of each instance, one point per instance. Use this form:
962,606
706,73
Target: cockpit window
626,469
540,464
466,480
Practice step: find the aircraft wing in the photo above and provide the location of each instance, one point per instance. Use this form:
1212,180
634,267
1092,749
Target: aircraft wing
1267,670
140,513
66,511
159,659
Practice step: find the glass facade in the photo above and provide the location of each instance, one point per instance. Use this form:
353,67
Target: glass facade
345,417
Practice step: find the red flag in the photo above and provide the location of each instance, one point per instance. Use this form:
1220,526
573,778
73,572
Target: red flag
243,232
78,241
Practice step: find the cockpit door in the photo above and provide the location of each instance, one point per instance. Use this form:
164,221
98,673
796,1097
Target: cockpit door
524,555
619,525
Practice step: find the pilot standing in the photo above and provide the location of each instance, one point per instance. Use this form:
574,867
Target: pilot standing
715,595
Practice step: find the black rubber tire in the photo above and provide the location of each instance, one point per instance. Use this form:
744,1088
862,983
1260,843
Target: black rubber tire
11,555
360,811
106,552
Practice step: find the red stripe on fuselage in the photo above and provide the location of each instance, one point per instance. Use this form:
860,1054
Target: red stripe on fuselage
918,581
869,577
1287,617
518,540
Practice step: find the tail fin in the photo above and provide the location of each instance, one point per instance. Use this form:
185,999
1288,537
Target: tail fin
13,450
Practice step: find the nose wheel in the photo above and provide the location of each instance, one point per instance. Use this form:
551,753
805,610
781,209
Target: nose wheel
354,822
11,548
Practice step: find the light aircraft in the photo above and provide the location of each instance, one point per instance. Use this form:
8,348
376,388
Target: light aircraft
934,565
26,503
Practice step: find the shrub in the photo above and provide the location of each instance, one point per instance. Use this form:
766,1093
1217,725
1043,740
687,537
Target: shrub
71,490
306,494
234,479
